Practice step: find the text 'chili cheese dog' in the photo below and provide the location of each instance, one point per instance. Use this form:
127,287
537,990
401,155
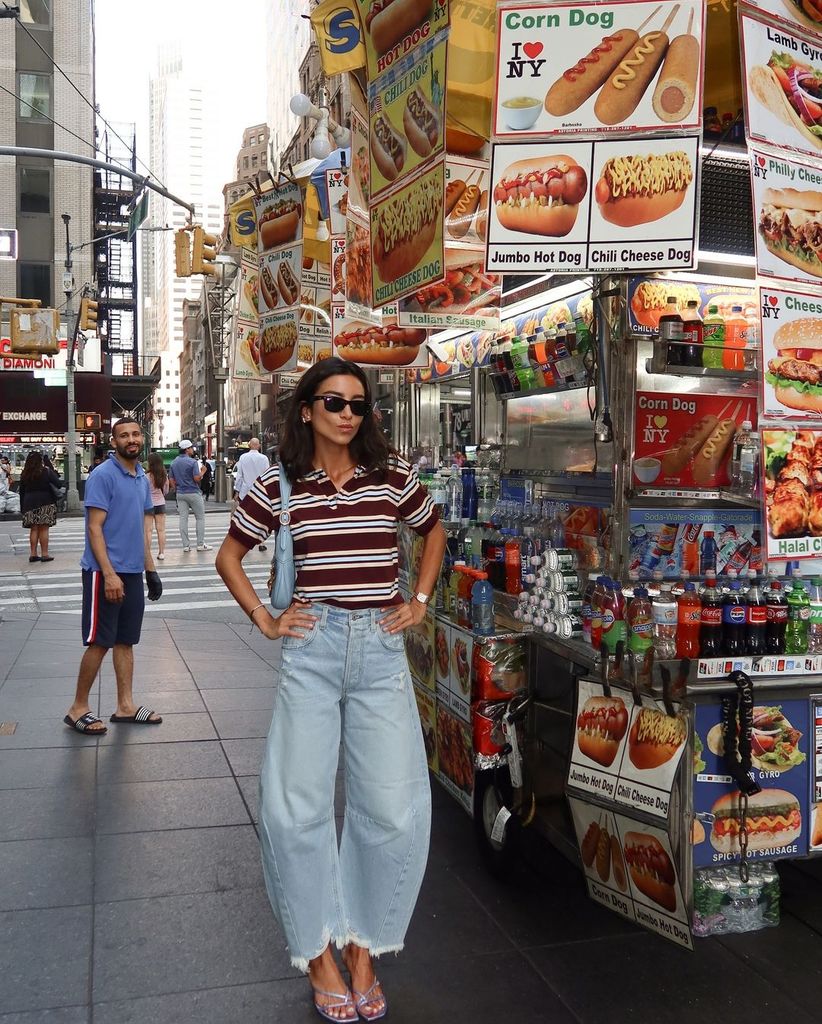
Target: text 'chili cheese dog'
621,94
712,454
590,73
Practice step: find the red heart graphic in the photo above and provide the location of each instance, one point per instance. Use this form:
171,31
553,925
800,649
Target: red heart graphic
774,301
761,161
532,50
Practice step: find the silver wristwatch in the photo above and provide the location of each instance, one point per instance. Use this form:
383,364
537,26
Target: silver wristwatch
421,598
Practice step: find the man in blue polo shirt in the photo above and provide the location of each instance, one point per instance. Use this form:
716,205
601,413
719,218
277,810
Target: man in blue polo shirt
185,474
117,499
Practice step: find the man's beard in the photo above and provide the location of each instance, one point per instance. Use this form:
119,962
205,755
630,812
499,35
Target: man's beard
122,451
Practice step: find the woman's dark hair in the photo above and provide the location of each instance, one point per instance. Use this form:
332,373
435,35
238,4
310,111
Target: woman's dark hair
33,469
157,469
369,446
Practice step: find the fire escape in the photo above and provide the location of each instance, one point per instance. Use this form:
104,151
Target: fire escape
133,379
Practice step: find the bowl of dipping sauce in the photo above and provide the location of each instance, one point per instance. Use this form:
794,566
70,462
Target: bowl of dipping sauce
647,469
521,112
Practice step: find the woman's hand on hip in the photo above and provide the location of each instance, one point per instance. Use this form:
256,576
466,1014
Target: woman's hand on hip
398,617
290,623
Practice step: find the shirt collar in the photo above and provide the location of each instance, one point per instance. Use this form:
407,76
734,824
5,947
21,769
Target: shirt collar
320,474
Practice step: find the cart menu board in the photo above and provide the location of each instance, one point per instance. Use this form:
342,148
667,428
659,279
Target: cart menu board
791,346
791,460
620,67
568,207
778,817
630,868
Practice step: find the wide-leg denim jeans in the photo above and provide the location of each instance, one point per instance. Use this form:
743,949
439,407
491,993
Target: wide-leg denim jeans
346,680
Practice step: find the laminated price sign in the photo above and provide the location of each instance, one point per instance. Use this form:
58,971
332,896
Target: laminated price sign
791,354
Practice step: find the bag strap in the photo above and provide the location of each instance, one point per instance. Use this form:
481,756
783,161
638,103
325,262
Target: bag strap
285,494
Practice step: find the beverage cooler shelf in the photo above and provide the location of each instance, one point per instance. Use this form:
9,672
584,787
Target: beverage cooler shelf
685,499
777,665
701,371
561,390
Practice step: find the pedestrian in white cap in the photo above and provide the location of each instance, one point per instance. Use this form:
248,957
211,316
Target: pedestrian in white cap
185,474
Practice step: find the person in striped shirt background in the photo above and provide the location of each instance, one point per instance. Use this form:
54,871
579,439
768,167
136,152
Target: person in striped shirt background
344,680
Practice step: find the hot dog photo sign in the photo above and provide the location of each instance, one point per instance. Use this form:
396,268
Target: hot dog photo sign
603,206
598,68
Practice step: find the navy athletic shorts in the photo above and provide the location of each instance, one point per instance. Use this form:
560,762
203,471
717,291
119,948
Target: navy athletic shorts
106,623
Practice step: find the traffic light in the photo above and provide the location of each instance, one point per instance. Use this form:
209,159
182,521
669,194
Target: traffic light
88,315
182,253
202,261
88,421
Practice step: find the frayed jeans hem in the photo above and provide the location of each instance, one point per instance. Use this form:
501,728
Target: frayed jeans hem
302,963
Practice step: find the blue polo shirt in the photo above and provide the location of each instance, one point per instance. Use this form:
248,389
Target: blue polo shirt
125,499
182,471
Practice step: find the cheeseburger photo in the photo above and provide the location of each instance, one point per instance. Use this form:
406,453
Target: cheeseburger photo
796,373
541,195
774,820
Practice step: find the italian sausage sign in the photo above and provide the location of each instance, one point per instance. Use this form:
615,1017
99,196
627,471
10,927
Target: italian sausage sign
598,68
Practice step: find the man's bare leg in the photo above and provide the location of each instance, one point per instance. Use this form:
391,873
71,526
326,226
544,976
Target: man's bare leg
89,668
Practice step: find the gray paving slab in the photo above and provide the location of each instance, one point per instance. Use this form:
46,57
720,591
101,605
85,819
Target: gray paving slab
20,705
179,861
179,943
35,769
238,725
236,699
167,702
250,788
46,873
189,803
262,1003
62,1015
244,756
173,729
261,677
46,813
157,762
34,733
41,684
46,958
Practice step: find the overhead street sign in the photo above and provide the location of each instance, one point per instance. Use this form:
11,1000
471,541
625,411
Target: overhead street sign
138,213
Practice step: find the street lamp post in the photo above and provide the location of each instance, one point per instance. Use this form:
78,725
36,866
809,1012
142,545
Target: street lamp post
220,318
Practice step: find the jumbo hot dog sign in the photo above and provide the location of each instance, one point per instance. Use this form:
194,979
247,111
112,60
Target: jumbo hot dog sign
593,68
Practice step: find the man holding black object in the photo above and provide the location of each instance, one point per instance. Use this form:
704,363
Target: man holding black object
117,499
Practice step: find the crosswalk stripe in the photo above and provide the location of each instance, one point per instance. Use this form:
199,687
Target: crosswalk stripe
161,606
260,574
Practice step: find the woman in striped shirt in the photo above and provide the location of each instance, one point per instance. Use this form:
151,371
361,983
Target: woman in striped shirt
344,679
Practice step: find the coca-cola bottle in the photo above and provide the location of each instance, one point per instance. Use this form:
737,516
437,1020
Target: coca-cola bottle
710,631
776,620
756,620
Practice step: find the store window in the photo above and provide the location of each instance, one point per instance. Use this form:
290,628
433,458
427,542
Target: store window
35,96
35,282
35,12
35,190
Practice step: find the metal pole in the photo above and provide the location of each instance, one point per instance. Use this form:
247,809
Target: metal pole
74,158
219,465
72,494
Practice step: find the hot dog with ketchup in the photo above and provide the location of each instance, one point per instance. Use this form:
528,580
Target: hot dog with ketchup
541,197
280,223
384,346
637,189
601,726
651,869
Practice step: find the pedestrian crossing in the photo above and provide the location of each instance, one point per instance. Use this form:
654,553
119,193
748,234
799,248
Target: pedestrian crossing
191,586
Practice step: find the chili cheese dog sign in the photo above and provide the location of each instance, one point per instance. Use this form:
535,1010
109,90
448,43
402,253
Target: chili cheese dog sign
593,68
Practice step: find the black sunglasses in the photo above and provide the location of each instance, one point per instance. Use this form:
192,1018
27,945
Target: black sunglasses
334,403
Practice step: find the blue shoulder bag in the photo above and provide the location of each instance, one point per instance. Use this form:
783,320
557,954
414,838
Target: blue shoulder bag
282,564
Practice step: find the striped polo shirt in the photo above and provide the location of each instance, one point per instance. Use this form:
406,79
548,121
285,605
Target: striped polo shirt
345,542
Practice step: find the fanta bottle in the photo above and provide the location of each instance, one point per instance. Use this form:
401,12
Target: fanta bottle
736,340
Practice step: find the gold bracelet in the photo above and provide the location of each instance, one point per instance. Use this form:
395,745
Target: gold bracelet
254,609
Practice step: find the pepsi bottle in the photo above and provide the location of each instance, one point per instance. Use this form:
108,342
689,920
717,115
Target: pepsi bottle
756,620
733,623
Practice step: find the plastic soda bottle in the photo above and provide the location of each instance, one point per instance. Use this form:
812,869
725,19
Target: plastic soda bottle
690,549
464,597
670,327
640,622
713,338
665,613
513,564
689,615
736,340
776,619
613,618
756,619
597,603
482,605
733,622
799,613
710,630
815,631
693,328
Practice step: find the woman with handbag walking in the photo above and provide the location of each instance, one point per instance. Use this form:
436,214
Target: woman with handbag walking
39,487
344,681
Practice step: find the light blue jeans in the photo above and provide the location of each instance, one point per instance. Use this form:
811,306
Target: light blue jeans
193,501
346,680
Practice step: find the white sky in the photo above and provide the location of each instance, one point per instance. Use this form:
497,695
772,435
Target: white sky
229,37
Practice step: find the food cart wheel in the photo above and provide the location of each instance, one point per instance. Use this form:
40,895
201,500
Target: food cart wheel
492,791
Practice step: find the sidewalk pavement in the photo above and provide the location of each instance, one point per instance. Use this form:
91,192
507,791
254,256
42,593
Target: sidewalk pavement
132,888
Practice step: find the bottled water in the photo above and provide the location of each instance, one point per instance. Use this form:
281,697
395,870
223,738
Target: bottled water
454,496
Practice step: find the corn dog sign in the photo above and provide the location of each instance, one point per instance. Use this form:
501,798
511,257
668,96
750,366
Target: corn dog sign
594,68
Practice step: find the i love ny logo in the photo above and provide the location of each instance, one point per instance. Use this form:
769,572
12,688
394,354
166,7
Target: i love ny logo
770,307
526,61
